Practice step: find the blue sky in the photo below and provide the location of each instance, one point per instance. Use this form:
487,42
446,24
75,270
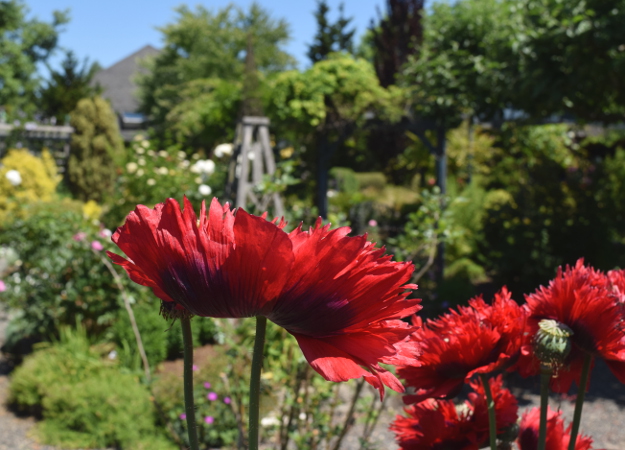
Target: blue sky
108,31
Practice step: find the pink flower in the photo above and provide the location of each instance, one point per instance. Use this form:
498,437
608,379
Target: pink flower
105,233
80,236
207,385
97,246
373,223
3,287
227,400
183,416
212,396
209,419
194,367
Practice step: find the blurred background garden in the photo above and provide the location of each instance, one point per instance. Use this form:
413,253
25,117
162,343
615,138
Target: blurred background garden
484,140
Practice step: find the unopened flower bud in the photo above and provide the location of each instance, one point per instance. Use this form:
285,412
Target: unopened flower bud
552,343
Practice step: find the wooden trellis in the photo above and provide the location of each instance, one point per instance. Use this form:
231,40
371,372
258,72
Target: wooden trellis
252,159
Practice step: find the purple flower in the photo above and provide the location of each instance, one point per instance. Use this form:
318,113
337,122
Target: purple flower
209,419
80,236
194,367
212,396
183,416
207,385
227,400
3,287
97,246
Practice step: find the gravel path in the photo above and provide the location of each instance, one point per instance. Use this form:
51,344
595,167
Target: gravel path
603,416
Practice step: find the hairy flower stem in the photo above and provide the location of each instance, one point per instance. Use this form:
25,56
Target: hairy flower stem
579,402
257,365
187,344
545,376
492,421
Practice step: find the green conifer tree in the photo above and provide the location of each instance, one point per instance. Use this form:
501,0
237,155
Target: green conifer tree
330,37
96,142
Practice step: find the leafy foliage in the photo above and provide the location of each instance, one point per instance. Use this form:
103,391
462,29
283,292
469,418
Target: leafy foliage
204,54
60,279
96,143
24,43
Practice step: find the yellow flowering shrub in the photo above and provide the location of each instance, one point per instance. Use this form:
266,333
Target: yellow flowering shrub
25,179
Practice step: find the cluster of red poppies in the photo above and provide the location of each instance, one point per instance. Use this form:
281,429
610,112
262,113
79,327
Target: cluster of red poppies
343,299
487,339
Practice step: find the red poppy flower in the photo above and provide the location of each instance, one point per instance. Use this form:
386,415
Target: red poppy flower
480,338
558,438
340,297
440,424
579,298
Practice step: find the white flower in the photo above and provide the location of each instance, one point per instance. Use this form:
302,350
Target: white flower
151,153
223,150
14,177
145,143
140,150
163,154
198,180
141,161
269,422
132,167
204,189
151,182
302,416
112,354
182,155
140,172
251,155
162,170
184,164
332,193
206,166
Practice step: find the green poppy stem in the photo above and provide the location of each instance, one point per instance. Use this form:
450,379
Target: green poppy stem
257,366
545,377
579,403
492,420
187,344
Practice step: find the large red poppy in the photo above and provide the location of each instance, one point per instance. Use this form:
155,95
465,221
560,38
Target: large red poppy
580,298
440,424
558,437
480,338
340,296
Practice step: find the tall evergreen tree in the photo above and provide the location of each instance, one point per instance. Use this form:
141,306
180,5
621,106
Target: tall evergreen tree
330,37
397,36
67,86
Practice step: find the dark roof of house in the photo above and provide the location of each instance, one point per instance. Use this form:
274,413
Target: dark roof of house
118,81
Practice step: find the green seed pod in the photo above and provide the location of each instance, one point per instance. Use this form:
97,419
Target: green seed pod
552,343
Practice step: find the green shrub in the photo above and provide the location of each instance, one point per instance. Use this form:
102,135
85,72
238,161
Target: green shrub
345,179
83,398
60,279
109,409
96,144
371,180
148,176
36,181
